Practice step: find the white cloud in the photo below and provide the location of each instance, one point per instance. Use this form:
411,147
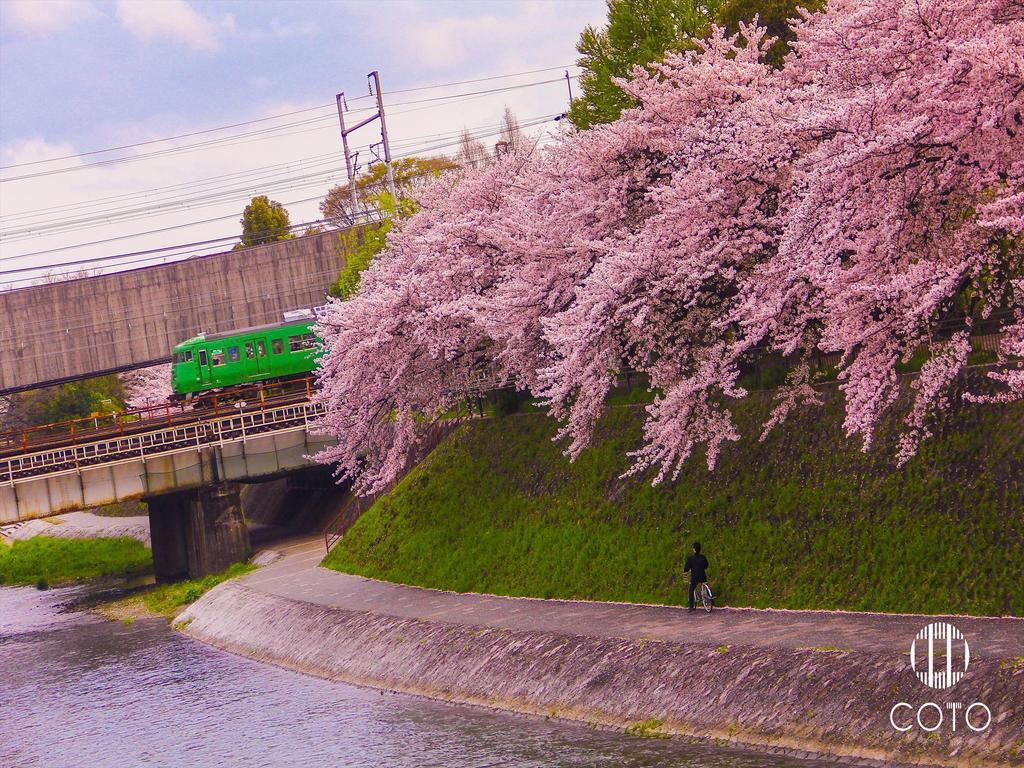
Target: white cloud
512,37
446,42
34,150
508,36
173,20
43,18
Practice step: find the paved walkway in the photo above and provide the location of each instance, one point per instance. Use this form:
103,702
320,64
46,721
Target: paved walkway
297,576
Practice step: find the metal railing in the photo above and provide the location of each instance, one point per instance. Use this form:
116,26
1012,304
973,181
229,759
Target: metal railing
166,440
87,428
356,505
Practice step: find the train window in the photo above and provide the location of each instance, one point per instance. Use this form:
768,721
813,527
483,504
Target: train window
202,357
233,355
298,343
277,346
261,348
188,356
176,357
250,352
216,358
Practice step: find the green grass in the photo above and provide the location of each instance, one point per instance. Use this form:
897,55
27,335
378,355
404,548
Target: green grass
803,520
123,509
56,561
647,729
165,599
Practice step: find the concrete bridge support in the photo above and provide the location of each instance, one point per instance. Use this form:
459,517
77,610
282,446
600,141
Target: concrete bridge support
197,532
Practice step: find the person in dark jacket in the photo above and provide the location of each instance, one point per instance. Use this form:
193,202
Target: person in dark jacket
697,567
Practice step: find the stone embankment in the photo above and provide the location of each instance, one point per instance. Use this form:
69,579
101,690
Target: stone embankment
765,692
80,525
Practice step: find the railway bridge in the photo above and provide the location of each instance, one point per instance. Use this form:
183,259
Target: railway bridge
186,462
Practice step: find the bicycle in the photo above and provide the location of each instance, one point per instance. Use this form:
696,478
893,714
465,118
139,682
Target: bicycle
702,594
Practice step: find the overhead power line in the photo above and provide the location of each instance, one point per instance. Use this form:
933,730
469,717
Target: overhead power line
319,178
166,138
151,256
96,201
263,134
290,165
190,134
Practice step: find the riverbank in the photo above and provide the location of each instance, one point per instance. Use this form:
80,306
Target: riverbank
761,679
202,707
104,523
164,601
44,561
803,520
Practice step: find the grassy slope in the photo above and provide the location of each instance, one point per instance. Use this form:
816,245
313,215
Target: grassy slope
804,520
61,560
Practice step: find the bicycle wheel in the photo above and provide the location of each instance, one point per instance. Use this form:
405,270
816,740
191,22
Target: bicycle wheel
706,597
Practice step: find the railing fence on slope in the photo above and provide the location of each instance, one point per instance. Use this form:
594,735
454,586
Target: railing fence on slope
356,505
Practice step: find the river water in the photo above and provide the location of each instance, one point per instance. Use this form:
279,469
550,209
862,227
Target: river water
77,690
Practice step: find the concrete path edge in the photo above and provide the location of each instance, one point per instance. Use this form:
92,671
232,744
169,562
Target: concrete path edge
794,701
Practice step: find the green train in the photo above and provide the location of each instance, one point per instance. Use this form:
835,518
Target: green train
263,353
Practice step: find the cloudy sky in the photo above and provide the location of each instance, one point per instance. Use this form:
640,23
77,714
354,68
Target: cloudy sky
78,77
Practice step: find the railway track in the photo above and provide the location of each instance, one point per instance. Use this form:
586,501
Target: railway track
96,429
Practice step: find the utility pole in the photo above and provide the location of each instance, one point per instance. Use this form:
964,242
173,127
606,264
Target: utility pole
340,98
352,167
384,135
568,82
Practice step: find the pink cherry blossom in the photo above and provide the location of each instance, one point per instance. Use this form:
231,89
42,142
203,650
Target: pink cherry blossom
866,200
147,386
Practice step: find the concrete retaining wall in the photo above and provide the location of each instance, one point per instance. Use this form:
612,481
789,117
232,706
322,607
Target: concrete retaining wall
833,704
111,322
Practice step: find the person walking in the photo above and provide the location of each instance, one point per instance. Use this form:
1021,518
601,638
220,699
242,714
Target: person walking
697,567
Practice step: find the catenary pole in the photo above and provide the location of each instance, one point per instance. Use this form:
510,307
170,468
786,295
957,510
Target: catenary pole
340,98
384,135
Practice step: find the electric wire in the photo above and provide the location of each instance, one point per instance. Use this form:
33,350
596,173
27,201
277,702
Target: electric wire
110,214
146,192
41,268
261,133
277,117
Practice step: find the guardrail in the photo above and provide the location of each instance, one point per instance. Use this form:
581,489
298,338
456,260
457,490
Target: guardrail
166,440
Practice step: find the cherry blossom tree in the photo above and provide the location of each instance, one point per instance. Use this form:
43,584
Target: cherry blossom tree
660,298
904,214
868,199
147,386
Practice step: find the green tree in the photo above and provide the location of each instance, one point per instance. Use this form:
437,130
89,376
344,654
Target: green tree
638,32
264,221
362,246
774,15
409,172
77,399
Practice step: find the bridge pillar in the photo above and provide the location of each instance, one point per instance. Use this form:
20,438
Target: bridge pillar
196,533
167,515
